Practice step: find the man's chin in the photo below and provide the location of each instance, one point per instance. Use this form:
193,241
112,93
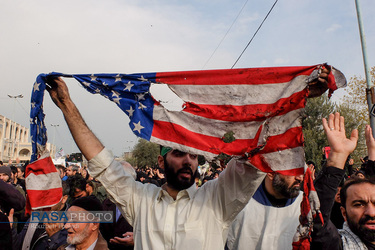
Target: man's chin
184,177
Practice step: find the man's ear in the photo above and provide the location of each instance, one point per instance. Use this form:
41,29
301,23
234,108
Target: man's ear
343,212
271,175
64,199
161,161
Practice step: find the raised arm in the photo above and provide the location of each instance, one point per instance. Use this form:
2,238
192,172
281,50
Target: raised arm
326,236
85,139
370,143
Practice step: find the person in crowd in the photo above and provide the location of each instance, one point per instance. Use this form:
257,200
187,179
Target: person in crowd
144,178
21,171
357,195
84,234
270,219
96,188
6,175
85,174
118,234
39,235
16,181
72,170
62,172
10,200
170,216
336,216
359,174
77,187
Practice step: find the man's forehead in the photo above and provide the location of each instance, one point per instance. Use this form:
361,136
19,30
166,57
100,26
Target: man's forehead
361,191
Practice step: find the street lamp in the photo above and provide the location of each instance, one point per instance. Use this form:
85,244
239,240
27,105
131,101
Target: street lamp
14,103
14,111
53,141
54,132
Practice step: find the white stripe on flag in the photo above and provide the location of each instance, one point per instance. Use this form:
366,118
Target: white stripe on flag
241,130
43,181
286,159
183,148
239,94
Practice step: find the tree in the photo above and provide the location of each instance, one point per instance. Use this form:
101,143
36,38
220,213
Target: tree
355,101
145,153
353,107
315,139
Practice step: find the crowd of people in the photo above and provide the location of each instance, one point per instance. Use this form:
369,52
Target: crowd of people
180,205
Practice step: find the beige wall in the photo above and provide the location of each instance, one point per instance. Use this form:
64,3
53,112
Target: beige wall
15,141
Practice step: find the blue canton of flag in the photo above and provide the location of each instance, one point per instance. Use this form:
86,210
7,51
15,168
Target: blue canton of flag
130,92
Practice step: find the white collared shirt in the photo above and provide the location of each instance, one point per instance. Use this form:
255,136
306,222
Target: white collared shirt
197,219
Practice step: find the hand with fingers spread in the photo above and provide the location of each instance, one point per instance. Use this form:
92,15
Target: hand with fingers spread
341,146
370,142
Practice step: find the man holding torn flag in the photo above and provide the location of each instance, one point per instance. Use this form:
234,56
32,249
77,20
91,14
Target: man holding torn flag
177,215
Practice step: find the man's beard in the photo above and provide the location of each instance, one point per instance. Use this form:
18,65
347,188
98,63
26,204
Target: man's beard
174,181
360,230
79,237
282,187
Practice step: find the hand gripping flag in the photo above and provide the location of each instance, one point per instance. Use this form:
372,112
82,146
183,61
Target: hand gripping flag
260,108
310,209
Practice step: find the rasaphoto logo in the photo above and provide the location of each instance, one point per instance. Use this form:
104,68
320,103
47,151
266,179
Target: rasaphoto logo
71,217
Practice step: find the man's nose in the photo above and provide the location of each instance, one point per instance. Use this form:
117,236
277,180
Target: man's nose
370,209
299,177
188,159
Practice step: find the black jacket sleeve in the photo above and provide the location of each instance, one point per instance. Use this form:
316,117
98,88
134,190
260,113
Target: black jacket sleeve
326,236
370,169
10,198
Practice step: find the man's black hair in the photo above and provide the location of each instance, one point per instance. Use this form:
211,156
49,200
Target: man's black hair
14,169
311,162
350,182
76,181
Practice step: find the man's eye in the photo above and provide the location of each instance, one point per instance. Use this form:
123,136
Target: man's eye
193,156
358,204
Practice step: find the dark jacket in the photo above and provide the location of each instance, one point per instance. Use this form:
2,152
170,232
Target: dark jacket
10,198
117,228
327,236
40,239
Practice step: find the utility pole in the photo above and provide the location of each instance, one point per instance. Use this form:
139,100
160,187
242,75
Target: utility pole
370,92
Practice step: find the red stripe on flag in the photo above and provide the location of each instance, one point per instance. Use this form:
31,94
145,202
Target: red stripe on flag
256,112
44,198
234,76
41,166
292,138
179,134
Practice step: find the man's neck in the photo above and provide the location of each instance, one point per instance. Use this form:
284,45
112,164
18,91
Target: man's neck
275,199
171,191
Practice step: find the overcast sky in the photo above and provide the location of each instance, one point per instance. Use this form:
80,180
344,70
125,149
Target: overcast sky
120,36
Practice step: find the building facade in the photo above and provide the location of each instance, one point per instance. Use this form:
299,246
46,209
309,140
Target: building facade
15,142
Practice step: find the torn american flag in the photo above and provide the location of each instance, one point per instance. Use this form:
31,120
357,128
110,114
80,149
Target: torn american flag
260,107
